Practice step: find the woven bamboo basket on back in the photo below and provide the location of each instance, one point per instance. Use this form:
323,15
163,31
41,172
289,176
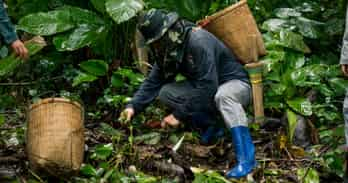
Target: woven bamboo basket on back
55,136
236,27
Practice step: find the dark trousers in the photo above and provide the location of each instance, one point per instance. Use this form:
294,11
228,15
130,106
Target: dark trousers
187,105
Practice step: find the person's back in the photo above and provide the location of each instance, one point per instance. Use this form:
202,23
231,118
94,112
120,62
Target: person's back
228,67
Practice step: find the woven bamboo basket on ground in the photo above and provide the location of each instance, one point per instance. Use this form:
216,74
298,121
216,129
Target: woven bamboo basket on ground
234,26
55,136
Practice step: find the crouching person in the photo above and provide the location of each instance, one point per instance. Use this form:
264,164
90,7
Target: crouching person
215,80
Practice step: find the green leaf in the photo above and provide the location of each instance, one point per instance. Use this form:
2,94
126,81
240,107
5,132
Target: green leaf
46,24
135,78
292,120
287,13
296,60
95,67
2,119
272,58
308,175
301,105
310,75
88,170
99,5
109,130
309,28
294,41
339,85
123,10
208,176
149,139
274,24
57,21
82,36
83,78
116,81
102,152
82,16
9,63
278,88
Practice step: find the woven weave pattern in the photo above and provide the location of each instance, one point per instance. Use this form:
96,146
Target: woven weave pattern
236,27
55,137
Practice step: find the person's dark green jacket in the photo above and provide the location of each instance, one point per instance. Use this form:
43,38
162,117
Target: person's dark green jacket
7,29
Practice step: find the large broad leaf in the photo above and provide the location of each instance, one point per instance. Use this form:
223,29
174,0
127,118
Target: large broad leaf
95,67
310,28
310,75
339,85
116,81
46,24
57,21
272,58
301,105
275,24
83,78
292,122
123,10
287,13
82,36
149,138
294,41
99,5
82,16
295,60
102,152
9,63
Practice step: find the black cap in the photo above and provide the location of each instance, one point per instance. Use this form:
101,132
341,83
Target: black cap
155,23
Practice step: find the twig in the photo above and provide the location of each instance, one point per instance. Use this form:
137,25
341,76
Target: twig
36,176
18,84
289,160
8,112
9,159
30,82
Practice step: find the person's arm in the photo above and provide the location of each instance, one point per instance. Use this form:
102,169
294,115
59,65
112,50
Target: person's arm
148,90
344,51
6,27
9,34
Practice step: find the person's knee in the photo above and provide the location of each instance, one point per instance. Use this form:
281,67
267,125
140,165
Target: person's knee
223,96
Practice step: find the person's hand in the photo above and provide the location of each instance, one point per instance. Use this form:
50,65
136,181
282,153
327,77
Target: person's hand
20,49
126,115
171,121
344,68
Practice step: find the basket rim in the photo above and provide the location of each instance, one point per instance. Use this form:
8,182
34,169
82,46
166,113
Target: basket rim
54,100
224,11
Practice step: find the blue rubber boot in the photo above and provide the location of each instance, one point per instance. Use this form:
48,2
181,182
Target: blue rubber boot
245,152
211,134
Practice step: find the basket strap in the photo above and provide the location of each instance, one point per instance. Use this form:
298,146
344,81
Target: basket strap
203,23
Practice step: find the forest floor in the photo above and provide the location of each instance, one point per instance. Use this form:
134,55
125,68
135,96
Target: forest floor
151,152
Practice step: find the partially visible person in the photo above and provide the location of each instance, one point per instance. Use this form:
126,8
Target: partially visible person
344,68
9,35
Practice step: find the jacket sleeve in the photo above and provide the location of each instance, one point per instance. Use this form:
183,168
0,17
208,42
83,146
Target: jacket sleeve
344,51
148,90
6,27
204,78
